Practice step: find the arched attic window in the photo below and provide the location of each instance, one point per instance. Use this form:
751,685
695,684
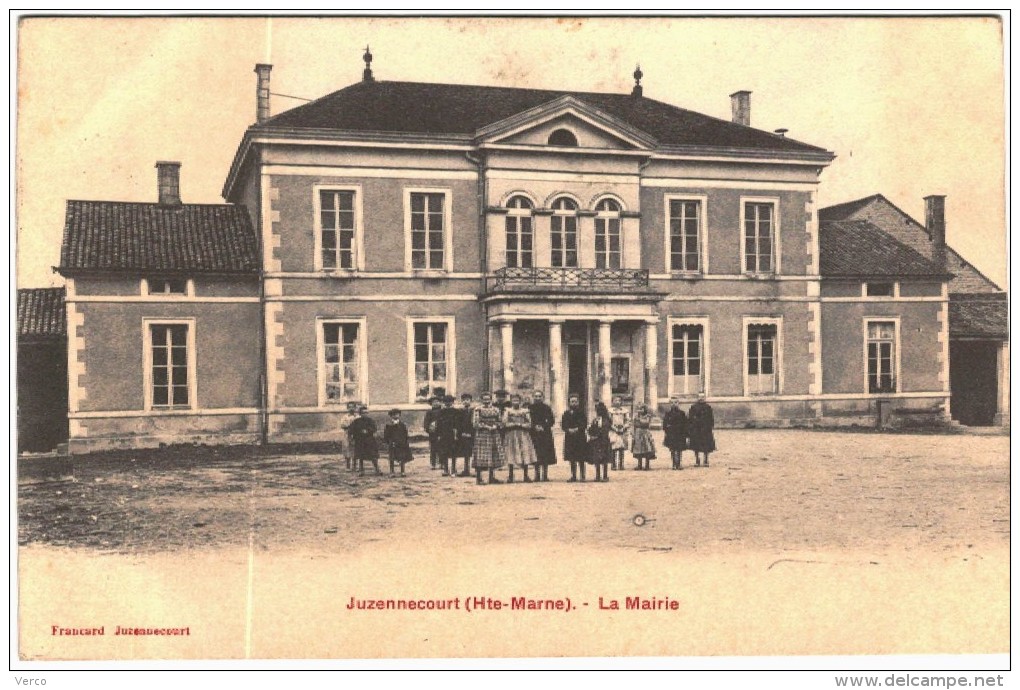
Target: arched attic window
519,232
563,233
608,250
562,137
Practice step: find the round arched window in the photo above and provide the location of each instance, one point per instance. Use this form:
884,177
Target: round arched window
562,137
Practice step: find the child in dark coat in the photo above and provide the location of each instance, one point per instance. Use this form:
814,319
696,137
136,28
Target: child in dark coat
430,424
575,445
398,446
675,428
363,441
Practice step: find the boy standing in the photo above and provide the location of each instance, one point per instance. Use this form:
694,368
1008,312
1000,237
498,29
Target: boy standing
345,434
465,436
397,445
365,446
447,423
431,417
575,445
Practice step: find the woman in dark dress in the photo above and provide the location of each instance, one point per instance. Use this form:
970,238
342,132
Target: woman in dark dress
600,446
575,445
675,427
702,423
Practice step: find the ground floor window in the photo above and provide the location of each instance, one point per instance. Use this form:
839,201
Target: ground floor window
881,353
431,364
341,362
170,369
688,348
762,364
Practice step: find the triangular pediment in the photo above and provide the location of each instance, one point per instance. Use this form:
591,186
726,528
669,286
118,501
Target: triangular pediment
592,128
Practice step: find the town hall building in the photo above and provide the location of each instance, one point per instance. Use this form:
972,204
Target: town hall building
393,241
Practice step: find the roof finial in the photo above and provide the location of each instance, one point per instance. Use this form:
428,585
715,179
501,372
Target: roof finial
367,74
638,91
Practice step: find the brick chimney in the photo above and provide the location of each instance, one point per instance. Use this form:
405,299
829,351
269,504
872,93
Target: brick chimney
262,93
169,182
935,224
741,102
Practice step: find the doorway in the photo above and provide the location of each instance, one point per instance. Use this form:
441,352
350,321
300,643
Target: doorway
577,372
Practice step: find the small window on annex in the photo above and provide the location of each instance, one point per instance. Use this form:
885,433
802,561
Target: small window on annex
879,289
167,286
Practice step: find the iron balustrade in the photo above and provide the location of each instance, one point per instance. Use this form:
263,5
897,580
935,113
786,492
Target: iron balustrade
588,279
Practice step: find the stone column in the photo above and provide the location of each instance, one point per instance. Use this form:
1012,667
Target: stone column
557,381
1002,399
506,329
605,362
651,365
492,344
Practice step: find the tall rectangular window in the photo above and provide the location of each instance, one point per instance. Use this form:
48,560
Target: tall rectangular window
688,342
759,237
431,360
685,235
762,359
337,229
881,357
169,367
607,243
564,241
520,234
428,240
342,362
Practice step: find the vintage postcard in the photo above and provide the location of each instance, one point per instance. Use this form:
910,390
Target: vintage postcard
364,338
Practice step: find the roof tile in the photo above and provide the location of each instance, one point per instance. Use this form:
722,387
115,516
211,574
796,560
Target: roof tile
125,236
41,313
419,108
855,248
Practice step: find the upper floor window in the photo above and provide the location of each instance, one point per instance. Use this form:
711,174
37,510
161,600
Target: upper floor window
759,246
427,217
168,286
608,238
338,232
685,219
520,235
563,234
562,137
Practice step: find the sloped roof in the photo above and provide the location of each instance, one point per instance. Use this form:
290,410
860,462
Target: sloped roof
848,208
422,108
979,316
125,236
877,209
857,248
41,313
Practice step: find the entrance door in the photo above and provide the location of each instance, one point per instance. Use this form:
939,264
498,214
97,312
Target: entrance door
973,378
577,372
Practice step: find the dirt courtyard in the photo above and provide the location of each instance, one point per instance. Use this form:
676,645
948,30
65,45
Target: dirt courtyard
779,547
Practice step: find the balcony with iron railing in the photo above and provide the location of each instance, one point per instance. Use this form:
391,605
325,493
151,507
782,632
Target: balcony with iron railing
569,280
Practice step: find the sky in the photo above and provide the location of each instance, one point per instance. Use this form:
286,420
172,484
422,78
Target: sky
911,106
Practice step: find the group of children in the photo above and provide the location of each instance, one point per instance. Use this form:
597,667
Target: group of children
506,432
